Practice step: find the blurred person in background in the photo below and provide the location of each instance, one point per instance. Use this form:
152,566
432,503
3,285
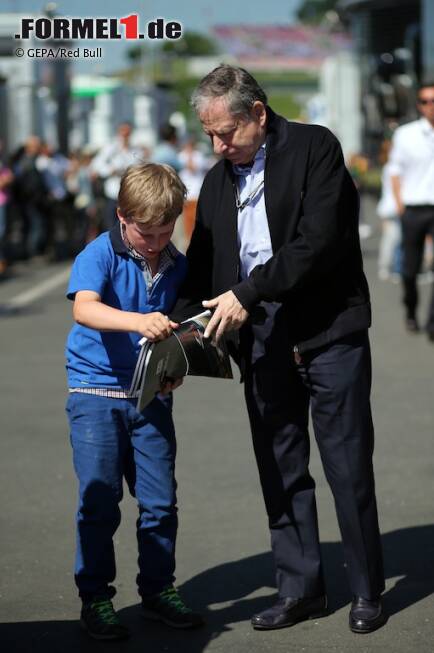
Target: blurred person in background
389,254
54,167
31,197
194,165
6,179
80,186
110,164
276,246
166,151
412,174
358,166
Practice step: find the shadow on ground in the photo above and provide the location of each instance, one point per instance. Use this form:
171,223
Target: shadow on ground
408,553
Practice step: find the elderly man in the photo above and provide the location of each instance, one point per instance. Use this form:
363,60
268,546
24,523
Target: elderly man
276,253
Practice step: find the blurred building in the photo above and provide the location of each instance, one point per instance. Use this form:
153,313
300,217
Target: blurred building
43,97
34,92
280,47
17,86
394,41
337,103
101,103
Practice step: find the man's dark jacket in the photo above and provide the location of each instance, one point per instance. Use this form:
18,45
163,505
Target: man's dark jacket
312,208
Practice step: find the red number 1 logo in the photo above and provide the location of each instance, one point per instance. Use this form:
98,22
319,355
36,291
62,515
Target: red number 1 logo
131,26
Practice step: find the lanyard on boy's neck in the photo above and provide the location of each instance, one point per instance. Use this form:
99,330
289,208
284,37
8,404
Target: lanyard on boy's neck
241,205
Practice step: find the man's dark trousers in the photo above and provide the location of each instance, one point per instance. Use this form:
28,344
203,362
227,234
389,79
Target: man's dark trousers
417,224
335,380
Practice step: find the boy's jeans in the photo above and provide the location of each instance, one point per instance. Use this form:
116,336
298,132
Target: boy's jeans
111,440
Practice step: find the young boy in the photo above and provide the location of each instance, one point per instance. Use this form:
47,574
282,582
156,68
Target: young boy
123,284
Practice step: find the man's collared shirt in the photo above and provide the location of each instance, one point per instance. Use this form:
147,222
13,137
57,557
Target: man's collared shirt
412,160
111,162
254,239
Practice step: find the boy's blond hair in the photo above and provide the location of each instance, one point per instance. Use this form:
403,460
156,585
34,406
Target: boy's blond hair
152,194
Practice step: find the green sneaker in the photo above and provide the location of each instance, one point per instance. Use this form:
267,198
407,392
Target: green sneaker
101,621
168,607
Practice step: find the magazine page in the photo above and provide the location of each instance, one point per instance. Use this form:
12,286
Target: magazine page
140,368
205,357
186,351
166,360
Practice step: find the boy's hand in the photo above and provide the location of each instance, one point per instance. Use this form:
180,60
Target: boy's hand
169,385
155,326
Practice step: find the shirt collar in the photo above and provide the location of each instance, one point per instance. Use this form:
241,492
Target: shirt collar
427,128
246,170
116,240
167,256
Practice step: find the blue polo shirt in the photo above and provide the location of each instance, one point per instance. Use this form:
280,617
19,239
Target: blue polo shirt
107,359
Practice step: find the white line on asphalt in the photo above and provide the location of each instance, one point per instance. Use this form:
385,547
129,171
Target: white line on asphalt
41,289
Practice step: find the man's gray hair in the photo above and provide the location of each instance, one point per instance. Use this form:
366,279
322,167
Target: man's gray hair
238,87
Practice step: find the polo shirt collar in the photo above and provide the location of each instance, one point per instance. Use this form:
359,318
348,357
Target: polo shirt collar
116,240
169,253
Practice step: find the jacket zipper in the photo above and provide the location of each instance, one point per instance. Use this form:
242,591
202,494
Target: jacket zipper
297,356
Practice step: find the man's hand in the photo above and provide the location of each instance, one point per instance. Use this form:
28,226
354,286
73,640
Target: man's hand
155,326
396,191
228,315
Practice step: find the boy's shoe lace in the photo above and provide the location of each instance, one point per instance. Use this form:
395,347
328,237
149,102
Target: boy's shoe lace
168,607
101,621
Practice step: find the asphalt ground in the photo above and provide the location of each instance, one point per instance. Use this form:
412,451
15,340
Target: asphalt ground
224,566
